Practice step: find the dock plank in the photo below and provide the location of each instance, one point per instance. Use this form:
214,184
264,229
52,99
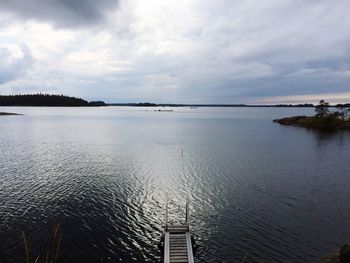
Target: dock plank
178,247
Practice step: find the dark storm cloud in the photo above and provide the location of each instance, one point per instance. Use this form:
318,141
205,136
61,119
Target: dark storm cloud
61,13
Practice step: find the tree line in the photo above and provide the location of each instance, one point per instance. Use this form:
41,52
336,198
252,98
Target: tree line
342,111
46,100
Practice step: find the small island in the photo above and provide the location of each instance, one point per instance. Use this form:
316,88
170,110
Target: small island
8,114
325,119
46,100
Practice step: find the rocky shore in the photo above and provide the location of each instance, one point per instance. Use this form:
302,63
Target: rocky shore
342,256
322,123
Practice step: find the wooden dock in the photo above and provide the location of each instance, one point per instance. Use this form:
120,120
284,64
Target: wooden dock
177,241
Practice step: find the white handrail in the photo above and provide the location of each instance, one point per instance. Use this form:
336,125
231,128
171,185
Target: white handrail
166,248
166,215
187,214
189,248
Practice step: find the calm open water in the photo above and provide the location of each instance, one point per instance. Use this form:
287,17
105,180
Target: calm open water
257,189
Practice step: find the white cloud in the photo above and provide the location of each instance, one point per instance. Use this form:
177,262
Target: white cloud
161,80
15,61
333,98
227,51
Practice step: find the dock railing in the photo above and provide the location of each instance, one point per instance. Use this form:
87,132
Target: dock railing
177,239
166,215
187,223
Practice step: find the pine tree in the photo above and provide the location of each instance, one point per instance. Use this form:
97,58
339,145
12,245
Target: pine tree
322,109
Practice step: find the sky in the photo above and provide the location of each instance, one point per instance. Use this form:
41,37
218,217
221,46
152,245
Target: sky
184,51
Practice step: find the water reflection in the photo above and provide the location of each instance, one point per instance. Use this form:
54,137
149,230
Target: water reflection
256,189
333,136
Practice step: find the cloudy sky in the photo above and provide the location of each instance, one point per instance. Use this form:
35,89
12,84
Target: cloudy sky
184,51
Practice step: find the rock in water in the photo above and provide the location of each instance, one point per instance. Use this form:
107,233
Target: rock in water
8,114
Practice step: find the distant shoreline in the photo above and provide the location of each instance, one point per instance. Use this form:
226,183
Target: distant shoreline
209,105
147,104
166,105
53,100
136,105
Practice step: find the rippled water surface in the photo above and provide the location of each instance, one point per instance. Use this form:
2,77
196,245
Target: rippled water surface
259,190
